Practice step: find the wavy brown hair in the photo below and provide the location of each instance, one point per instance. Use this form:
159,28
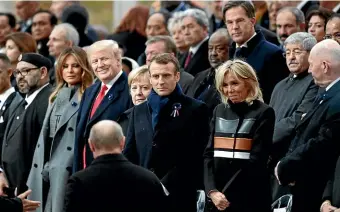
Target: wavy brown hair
23,40
134,20
87,74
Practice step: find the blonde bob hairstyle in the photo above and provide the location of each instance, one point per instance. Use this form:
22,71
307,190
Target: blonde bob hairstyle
138,73
87,74
243,72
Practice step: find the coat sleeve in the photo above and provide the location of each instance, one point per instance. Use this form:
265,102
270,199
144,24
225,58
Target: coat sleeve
323,147
262,141
130,149
327,194
285,127
209,182
11,204
73,201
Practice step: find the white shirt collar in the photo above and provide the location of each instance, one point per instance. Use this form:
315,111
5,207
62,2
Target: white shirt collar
245,44
110,84
30,98
5,95
194,49
333,83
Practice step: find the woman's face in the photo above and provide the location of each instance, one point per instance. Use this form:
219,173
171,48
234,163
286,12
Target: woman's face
140,89
71,71
316,27
12,51
235,89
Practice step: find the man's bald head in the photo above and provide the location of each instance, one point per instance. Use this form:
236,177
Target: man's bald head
106,136
324,64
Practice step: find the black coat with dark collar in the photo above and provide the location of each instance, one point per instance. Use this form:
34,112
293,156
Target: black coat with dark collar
267,60
173,151
313,152
116,101
20,139
199,62
112,183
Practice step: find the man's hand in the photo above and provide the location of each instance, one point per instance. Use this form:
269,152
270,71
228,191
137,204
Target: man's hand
3,184
276,174
219,200
327,207
28,205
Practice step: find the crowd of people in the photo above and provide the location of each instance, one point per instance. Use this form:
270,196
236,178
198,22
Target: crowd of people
174,111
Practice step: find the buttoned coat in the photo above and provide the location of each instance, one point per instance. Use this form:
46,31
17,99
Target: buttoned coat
59,166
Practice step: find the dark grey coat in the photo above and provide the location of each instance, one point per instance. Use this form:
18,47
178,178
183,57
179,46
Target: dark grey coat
59,166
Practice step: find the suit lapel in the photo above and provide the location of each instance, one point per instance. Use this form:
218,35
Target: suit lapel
89,101
111,96
17,124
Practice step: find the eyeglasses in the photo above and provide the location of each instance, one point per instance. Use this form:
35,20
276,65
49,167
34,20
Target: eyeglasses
23,73
295,52
335,36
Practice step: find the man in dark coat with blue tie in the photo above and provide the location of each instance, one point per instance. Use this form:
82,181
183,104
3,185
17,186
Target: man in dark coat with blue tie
314,150
167,134
107,99
249,44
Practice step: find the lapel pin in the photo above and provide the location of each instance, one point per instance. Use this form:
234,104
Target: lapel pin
175,109
74,104
110,97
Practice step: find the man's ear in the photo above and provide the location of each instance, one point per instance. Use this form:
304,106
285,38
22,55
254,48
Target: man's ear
302,27
122,143
91,145
44,72
9,72
69,43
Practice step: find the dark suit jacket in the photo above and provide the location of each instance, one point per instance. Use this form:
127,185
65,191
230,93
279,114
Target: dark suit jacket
185,81
289,106
267,60
199,62
173,151
332,190
203,88
116,101
20,139
107,185
5,113
313,152
12,205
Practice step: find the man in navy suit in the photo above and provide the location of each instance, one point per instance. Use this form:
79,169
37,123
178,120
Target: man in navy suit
315,148
107,99
250,44
168,133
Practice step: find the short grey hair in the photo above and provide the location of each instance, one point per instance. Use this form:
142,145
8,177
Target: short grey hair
299,16
71,34
306,40
105,45
106,134
175,20
199,15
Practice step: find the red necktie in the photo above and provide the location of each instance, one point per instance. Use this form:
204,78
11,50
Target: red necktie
96,103
187,60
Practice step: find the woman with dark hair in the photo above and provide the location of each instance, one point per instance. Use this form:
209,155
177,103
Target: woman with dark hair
236,178
53,156
131,31
316,22
17,43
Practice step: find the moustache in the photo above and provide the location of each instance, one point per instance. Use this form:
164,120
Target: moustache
284,36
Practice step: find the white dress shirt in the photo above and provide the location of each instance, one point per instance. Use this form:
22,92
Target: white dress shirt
29,99
112,82
333,83
194,49
5,95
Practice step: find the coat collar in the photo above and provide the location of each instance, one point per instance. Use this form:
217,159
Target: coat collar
109,158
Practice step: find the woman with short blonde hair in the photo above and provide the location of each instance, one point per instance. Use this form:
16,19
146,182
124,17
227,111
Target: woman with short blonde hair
140,88
238,149
241,70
